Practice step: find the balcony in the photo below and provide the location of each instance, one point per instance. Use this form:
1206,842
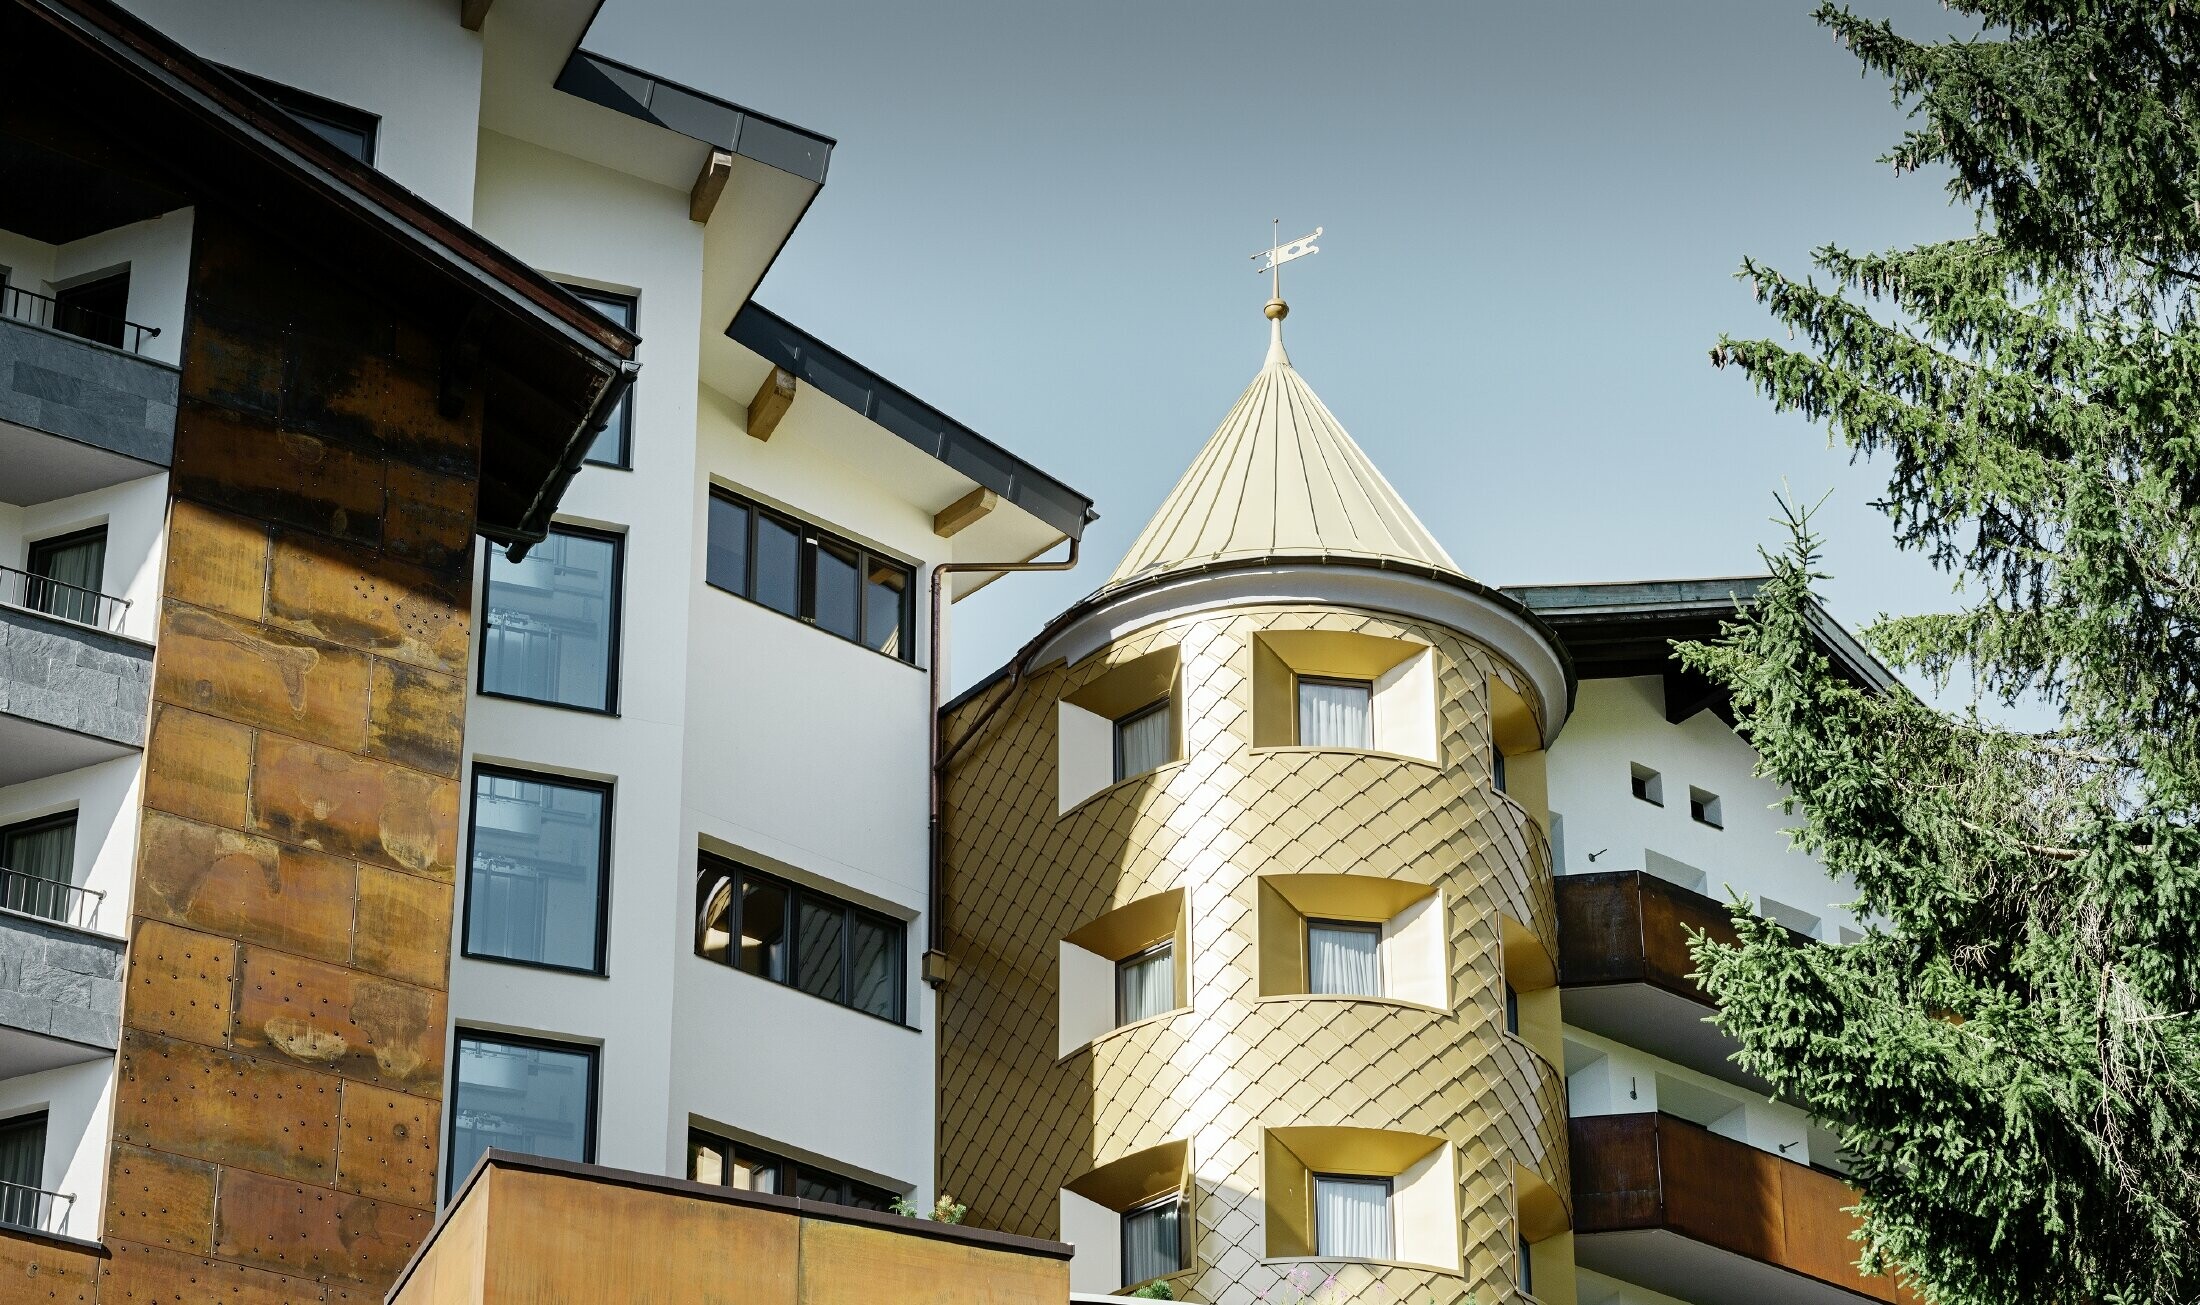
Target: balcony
1623,967
32,1209
77,413
60,984
71,693
1671,1206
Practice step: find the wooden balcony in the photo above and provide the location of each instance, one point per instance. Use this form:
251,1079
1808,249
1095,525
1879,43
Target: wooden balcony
1624,969
1672,1206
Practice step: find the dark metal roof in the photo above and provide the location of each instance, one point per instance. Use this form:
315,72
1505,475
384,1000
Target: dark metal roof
721,124
551,366
1629,628
843,379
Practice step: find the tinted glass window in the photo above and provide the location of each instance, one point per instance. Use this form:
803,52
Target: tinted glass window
836,590
614,445
764,928
874,959
843,588
38,858
65,575
726,557
520,1096
818,951
778,579
535,881
550,628
886,608
761,925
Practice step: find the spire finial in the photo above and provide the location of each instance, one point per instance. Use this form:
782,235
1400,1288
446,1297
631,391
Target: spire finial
1277,254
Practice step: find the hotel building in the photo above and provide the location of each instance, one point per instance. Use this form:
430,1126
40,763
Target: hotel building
406,889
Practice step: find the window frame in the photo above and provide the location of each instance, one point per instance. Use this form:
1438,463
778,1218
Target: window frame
34,550
1314,1180
309,109
615,602
629,312
1375,928
1705,808
1146,953
601,968
1298,709
460,1034
1128,719
736,873
35,824
810,537
1123,1240
788,1171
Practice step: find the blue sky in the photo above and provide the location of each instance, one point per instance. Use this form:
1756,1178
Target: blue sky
1039,216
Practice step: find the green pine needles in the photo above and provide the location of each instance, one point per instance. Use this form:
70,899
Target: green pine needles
2011,1056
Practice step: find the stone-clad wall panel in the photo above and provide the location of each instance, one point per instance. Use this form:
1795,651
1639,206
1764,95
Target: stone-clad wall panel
1016,1121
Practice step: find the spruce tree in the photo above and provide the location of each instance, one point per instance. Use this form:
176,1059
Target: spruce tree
2010,1057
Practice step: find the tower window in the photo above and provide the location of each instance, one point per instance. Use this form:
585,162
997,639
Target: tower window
1142,740
1336,713
1145,984
1344,959
1352,1217
1153,1240
1646,784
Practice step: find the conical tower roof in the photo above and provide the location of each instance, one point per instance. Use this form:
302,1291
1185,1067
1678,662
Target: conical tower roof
1279,478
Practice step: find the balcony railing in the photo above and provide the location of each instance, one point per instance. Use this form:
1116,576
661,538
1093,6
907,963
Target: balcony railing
63,601
73,319
50,899
35,1209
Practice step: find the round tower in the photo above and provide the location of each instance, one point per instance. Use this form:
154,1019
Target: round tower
1250,927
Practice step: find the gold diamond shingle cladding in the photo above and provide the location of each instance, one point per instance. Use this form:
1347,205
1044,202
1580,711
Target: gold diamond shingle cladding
1017,1120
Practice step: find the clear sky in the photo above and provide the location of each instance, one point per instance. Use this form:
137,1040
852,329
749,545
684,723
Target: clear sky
1039,217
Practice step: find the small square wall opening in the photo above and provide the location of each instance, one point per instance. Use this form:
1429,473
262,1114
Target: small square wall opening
1703,808
1646,784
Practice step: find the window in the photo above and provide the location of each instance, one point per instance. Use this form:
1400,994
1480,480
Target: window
1646,784
22,1170
1335,713
614,446
1352,1217
1344,959
550,627
66,572
536,884
1145,984
1703,808
38,858
799,937
1497,768
348,129
811,574
724,1162
94,310
520,1094
1526,1264
1512,1010
1142,741
1153,1240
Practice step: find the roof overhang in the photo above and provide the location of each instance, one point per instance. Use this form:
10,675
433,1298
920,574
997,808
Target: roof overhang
548,369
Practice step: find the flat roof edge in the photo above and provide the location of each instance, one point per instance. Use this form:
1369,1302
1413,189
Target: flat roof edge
917,423
719,123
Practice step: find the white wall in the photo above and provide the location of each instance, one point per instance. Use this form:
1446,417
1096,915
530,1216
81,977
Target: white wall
77,1100
136,516
576,221
1611,1078
1097,1233
105,799
406,61
157,253
1618,722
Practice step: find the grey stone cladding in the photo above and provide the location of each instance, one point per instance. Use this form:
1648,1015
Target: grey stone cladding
87,392
60,982
59,673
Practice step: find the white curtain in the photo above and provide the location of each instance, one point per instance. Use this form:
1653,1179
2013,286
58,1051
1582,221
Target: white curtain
1151,1244
1352,1218
1343,960
1334,714
1145,985
1142,743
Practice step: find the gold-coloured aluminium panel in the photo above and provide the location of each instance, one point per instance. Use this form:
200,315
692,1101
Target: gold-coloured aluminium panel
1015,1124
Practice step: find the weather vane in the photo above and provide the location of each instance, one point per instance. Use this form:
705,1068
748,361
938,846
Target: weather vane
1283,252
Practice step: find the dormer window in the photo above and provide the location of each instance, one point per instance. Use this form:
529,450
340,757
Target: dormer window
1336,713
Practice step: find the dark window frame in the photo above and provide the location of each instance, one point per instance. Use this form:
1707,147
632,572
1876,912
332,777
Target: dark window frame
603,867
1314,922
1512,1009
788,1171
1183,1243
313,111
461,1034
1390,1211
60,592
1129,718
616,602
1298,708
1148,952
628,309
12,1201
810,537
35,824
711,868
